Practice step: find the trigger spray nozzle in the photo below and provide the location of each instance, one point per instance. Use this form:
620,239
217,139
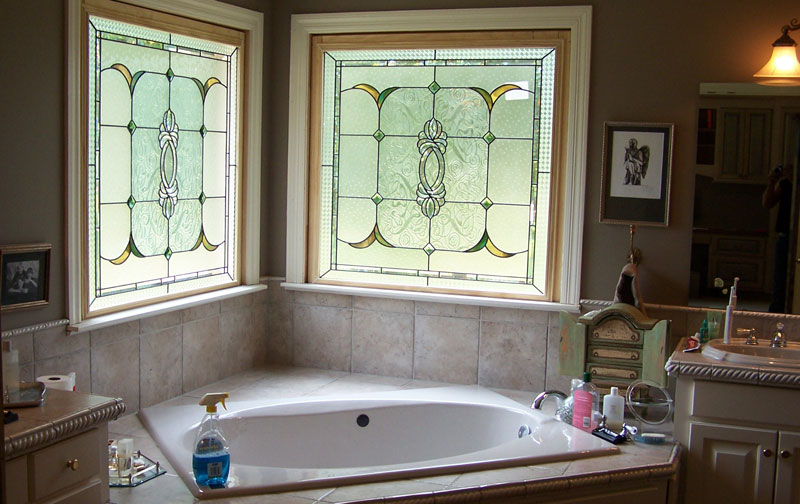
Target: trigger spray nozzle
210,401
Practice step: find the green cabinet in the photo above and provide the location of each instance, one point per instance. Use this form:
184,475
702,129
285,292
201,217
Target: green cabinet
618,345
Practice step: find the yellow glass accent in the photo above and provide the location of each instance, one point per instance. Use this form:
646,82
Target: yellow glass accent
374,236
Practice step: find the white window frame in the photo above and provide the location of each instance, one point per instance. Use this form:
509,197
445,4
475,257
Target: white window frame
210,11
576,19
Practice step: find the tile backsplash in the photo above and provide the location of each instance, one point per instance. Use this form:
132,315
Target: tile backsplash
154,359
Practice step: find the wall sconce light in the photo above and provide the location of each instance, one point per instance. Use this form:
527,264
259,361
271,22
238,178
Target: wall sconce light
782,69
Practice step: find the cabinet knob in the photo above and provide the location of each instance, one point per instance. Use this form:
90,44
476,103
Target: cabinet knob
73,464
786,453
767,452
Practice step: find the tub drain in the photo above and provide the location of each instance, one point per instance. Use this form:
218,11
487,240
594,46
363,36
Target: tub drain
362,420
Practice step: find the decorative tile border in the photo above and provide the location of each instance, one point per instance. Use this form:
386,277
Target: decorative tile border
501,492
35,438
701,367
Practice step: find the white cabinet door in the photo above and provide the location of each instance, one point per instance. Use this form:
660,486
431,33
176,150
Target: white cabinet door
787,488
730,464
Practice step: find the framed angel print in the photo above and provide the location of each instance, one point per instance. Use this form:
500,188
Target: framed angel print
637,166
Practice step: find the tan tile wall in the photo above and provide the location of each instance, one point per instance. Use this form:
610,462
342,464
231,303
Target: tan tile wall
154,359
494,347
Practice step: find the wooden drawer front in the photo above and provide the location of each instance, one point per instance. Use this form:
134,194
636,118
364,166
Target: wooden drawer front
617,331
745,403
91,494
613,372
48,467
17,481
615,354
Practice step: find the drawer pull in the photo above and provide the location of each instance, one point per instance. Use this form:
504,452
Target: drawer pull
786,453
767,453
72,464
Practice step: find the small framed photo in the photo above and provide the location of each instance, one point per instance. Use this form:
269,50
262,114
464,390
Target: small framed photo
25,276
637,167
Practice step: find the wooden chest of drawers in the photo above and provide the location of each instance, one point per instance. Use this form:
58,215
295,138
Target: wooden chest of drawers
618,345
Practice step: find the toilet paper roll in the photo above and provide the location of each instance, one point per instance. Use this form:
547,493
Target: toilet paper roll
59,382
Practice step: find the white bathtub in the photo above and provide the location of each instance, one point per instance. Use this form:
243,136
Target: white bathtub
279,445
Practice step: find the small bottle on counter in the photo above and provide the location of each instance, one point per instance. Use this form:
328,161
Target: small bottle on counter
614,409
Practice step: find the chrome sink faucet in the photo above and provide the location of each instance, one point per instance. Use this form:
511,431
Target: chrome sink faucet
779,339
749,333
537,403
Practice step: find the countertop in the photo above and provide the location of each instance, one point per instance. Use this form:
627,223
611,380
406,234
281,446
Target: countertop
634,462
697,365
61,415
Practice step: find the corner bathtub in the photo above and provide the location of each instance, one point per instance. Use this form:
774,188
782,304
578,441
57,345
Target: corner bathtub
279,445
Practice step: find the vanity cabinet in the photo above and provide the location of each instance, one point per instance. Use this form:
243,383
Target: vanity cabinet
742,442
74,470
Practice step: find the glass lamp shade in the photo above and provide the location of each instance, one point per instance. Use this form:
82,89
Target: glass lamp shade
782,68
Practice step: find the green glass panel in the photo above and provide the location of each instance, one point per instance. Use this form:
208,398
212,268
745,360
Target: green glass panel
214,145
358,166
186,102
459,226
462,112
149,228
214,220
359,113
115,164
114,229
325,198
510,171
328,86
145,161
405,111
389,57
184,226
402,224
215,109
201,45
129,29
498,53
115,98
385,77
356,219
508,227
487,78
190,174
151,100
377,255
481,263
512,115
135,58
399,168
465,172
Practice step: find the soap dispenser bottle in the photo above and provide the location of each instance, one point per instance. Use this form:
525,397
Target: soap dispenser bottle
586,404
211,460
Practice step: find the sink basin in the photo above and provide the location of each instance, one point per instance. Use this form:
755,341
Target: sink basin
756,355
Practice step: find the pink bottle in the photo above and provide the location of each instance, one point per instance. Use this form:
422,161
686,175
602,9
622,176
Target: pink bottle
585,404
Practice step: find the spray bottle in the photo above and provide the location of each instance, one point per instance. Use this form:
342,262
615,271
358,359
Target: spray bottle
211,459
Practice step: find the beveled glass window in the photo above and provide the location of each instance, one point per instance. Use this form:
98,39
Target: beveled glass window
435,169
162,176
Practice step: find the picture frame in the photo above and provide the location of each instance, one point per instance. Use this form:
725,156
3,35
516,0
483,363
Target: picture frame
24,276
637,168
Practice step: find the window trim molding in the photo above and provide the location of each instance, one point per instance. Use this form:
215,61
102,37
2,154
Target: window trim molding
577,19
210,11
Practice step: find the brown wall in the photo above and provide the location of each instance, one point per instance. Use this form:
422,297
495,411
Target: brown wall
648,57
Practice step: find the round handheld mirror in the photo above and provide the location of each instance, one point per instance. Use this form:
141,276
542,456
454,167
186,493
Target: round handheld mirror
648,402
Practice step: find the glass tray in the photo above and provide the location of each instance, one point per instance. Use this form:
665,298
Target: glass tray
28,394
144,469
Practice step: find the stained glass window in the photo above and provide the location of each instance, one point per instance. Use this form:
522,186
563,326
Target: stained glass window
162,164
435,168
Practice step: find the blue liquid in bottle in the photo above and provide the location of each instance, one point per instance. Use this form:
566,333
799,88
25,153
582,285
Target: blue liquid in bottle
212,469
211,463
